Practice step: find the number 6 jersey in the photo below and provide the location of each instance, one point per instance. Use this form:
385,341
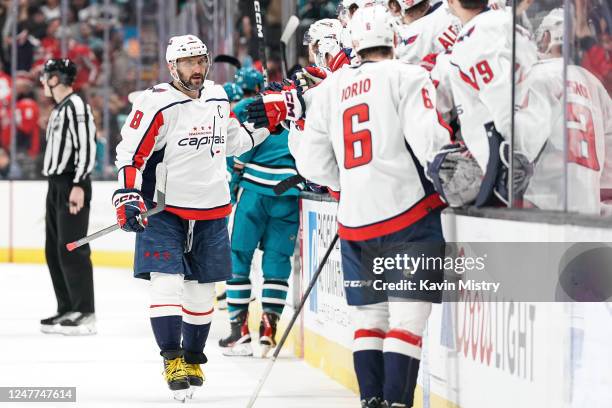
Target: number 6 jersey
369,132
192,137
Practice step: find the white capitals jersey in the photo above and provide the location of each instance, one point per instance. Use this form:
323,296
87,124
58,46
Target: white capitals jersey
481,79
434,33
192,137
540,132
369,133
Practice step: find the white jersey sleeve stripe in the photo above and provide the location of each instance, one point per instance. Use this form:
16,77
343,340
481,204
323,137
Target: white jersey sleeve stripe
147,142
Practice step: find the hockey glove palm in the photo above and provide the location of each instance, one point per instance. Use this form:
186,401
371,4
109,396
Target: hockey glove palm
130,206
455,175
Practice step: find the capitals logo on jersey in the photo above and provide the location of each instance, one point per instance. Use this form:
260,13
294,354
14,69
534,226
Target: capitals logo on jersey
201,136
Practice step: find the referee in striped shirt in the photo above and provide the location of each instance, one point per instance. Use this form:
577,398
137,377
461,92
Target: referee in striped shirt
69,158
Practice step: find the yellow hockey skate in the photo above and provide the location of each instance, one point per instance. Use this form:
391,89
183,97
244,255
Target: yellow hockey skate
175,374
195,376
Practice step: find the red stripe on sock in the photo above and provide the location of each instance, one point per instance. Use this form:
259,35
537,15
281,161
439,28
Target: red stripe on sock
369,333
189,312
405,335
152,306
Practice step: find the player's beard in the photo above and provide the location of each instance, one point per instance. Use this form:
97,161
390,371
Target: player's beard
194,82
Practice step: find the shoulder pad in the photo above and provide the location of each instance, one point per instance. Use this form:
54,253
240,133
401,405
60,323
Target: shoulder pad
157,96
214,91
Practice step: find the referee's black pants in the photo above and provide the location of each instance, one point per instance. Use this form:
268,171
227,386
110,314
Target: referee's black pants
71,272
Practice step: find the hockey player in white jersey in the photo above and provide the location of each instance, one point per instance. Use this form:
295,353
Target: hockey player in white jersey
540,128
426,36
184,250
370,133
323,39
426,30
481,88
324,43
289,103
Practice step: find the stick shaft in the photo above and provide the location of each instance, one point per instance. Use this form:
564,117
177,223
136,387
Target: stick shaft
290,27
284,65
85,240
261,40
288,183
95,235
313,282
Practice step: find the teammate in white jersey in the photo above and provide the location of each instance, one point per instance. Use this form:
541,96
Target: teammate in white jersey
186,124
426,36
370,133
324,43
540,128
480,81
426,29
289,104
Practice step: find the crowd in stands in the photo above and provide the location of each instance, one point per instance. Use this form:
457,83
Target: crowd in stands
39,37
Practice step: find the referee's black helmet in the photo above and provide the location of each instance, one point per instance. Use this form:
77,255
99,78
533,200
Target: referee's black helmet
64,68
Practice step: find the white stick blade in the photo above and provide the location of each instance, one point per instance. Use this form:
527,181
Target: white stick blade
292,25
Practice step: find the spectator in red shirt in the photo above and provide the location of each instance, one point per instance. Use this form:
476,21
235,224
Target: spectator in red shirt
50,45
595,47
28,113
87,64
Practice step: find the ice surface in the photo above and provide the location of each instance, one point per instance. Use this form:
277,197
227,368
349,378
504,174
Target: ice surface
120,366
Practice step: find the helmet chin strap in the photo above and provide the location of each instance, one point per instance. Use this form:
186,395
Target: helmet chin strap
185,85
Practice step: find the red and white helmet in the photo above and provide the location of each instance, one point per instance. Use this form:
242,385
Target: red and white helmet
372,27
321,29
324,37
553,24
183,46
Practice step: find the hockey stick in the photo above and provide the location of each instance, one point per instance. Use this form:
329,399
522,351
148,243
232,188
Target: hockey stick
228,59
261,40
160,173
288,183
313,282
290,27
